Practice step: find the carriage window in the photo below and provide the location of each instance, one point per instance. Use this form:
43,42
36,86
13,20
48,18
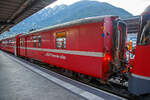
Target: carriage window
145,33
61,40
9,42
22,42
39,41
34,40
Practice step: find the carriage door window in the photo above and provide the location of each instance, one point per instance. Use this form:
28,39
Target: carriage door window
34,40
22,42
61,40
39,41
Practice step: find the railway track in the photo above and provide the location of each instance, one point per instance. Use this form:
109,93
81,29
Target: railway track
111,88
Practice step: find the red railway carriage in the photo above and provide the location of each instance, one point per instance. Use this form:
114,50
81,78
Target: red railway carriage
87,46
139,82
8,44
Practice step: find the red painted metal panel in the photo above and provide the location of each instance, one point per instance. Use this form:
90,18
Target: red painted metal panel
87,37
141,63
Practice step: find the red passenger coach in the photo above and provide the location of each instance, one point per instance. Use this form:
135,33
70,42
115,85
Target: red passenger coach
139,82
91,46
9,44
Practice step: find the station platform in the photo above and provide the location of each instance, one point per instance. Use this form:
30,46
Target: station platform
21,80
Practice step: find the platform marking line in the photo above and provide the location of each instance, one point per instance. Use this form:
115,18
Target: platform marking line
76,90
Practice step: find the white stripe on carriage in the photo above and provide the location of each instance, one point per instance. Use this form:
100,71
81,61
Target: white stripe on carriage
9,46
141,77
83,53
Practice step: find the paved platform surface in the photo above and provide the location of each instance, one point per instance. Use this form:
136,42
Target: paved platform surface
20,81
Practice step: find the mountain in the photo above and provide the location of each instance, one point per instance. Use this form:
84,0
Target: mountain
64,13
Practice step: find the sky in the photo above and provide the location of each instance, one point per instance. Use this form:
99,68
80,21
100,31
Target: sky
135,7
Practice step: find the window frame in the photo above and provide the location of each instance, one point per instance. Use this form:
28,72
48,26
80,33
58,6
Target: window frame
61,40
39,41
144,39
22,42
34,41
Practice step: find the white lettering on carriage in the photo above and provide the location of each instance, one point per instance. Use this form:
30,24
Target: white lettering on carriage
56,56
